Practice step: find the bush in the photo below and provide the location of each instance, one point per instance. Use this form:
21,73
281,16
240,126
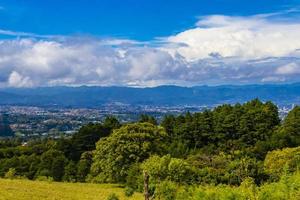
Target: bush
171,169
10,174
166,190
44,178
134,179
129,191
279,162
113,196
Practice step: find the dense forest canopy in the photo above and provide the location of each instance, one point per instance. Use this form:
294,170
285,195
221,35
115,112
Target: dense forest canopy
231,144
5,130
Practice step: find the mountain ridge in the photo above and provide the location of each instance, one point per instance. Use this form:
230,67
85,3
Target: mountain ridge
165,95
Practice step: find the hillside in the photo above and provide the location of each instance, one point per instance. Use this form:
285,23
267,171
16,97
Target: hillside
286,188
38,190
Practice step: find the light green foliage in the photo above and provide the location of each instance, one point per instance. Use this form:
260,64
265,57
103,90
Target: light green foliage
44,178
130,144
226,168
10,174
166,190
278,162
288,188
171,169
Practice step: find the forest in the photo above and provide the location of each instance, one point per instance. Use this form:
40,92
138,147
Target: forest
241,151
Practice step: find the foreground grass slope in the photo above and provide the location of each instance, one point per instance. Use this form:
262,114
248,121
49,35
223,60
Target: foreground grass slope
40,190
287,188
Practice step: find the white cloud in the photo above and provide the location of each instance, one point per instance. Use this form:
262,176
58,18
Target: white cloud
288,69
17,80
221,49
251,37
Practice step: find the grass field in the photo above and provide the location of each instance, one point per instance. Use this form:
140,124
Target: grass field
39,190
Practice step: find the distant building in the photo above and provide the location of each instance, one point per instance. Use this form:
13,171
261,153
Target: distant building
5,130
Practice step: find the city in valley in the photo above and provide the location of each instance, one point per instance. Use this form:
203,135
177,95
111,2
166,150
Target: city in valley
31,121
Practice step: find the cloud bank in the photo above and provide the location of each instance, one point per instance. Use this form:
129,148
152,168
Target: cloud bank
218,50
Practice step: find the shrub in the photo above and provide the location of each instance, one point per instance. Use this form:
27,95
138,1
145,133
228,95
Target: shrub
166,190
44,178
129,191
113,196
283,161
10,174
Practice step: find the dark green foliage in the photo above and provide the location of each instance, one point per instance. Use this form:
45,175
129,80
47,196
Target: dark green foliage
70,172
129,192
83,166
111,122
288,135
5,130
226,128
86,138
52,164
113,196
147,118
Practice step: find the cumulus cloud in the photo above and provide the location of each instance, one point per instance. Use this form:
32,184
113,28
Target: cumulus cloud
219,50
251,37
17,80
288,69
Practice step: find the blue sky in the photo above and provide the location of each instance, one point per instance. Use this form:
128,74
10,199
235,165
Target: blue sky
134,19
148,43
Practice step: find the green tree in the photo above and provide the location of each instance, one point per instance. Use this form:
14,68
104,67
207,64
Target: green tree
70,172
111,122
289,133
86,138
130,144
83,166
147,118
52,164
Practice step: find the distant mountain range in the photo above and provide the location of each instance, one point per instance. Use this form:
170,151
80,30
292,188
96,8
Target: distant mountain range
92,97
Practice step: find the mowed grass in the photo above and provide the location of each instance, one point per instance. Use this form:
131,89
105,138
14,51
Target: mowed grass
42,190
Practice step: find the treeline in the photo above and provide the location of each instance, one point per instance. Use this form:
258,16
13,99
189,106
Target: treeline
5,130
231,144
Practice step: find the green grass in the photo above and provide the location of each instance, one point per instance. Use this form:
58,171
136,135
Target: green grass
40,190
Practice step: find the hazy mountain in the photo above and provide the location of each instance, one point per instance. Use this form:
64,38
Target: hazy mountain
163,95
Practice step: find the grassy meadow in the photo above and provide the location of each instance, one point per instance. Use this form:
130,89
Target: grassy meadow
42,190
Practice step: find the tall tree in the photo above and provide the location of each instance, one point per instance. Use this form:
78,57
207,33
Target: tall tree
130,144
